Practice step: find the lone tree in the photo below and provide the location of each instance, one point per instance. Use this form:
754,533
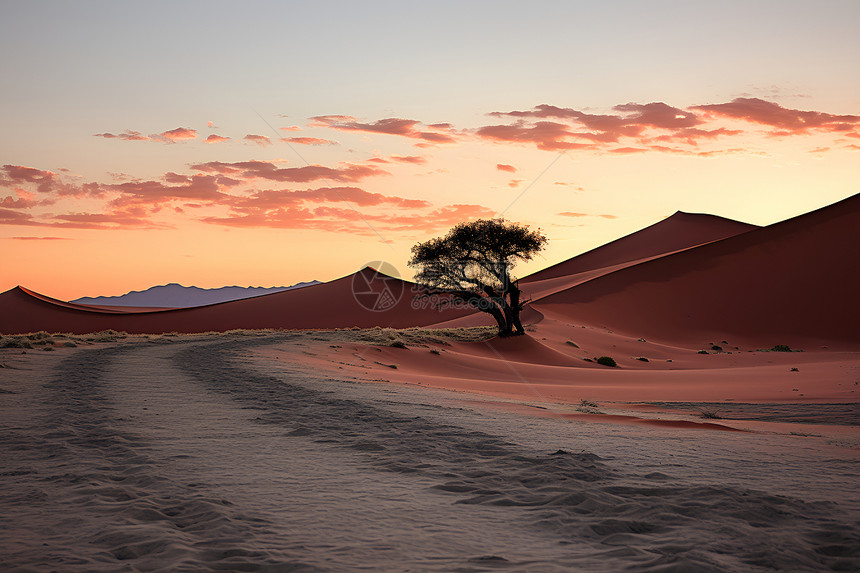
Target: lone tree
472,265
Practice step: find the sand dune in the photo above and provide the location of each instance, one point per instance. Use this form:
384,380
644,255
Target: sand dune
675,233
363,299
791,283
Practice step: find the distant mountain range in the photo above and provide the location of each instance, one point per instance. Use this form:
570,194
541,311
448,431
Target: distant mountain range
175,295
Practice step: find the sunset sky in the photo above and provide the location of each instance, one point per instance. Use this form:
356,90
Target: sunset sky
267,143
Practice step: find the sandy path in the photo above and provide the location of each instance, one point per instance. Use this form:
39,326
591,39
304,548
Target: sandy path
185,456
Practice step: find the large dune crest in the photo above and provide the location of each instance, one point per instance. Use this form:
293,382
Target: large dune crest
793,282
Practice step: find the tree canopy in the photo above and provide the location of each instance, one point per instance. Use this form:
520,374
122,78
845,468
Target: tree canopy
473,264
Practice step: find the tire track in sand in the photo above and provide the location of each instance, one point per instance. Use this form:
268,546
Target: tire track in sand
90,494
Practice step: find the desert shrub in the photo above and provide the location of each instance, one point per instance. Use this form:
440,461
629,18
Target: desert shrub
702,352
710,413
572,343
106,336
716,348
607,361
434,351
41,335
781,348
588,403
642,359
398,344
70,344
15,342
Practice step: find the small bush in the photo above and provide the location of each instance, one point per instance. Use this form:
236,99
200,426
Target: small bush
702,352
434,351
15,343
781,348
711,414
607,361
572,343
642,359
588,403
716,348
397,344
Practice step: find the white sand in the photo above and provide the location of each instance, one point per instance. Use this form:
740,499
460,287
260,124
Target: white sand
179,456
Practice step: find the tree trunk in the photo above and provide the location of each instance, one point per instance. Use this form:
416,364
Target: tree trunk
516,307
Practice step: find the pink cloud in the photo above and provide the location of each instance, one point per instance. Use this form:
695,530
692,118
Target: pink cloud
430,134
169,136
309,141
24,200
10,217
41,238
258,139
216,139
546,135
506,167
126,135
342,219
515,183
249,170
787,121
174,135
413,159
19,176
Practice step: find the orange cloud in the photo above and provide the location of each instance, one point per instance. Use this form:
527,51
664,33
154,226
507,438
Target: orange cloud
41,239
577,215
506,167
216,139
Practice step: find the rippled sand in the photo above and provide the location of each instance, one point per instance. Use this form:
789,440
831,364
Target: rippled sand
186,454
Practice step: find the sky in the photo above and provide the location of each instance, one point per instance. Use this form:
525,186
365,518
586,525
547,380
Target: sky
268,143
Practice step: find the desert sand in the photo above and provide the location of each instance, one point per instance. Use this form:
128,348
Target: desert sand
269,452
351,426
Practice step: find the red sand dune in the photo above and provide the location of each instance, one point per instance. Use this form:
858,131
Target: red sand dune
680,231
793,282
333,304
